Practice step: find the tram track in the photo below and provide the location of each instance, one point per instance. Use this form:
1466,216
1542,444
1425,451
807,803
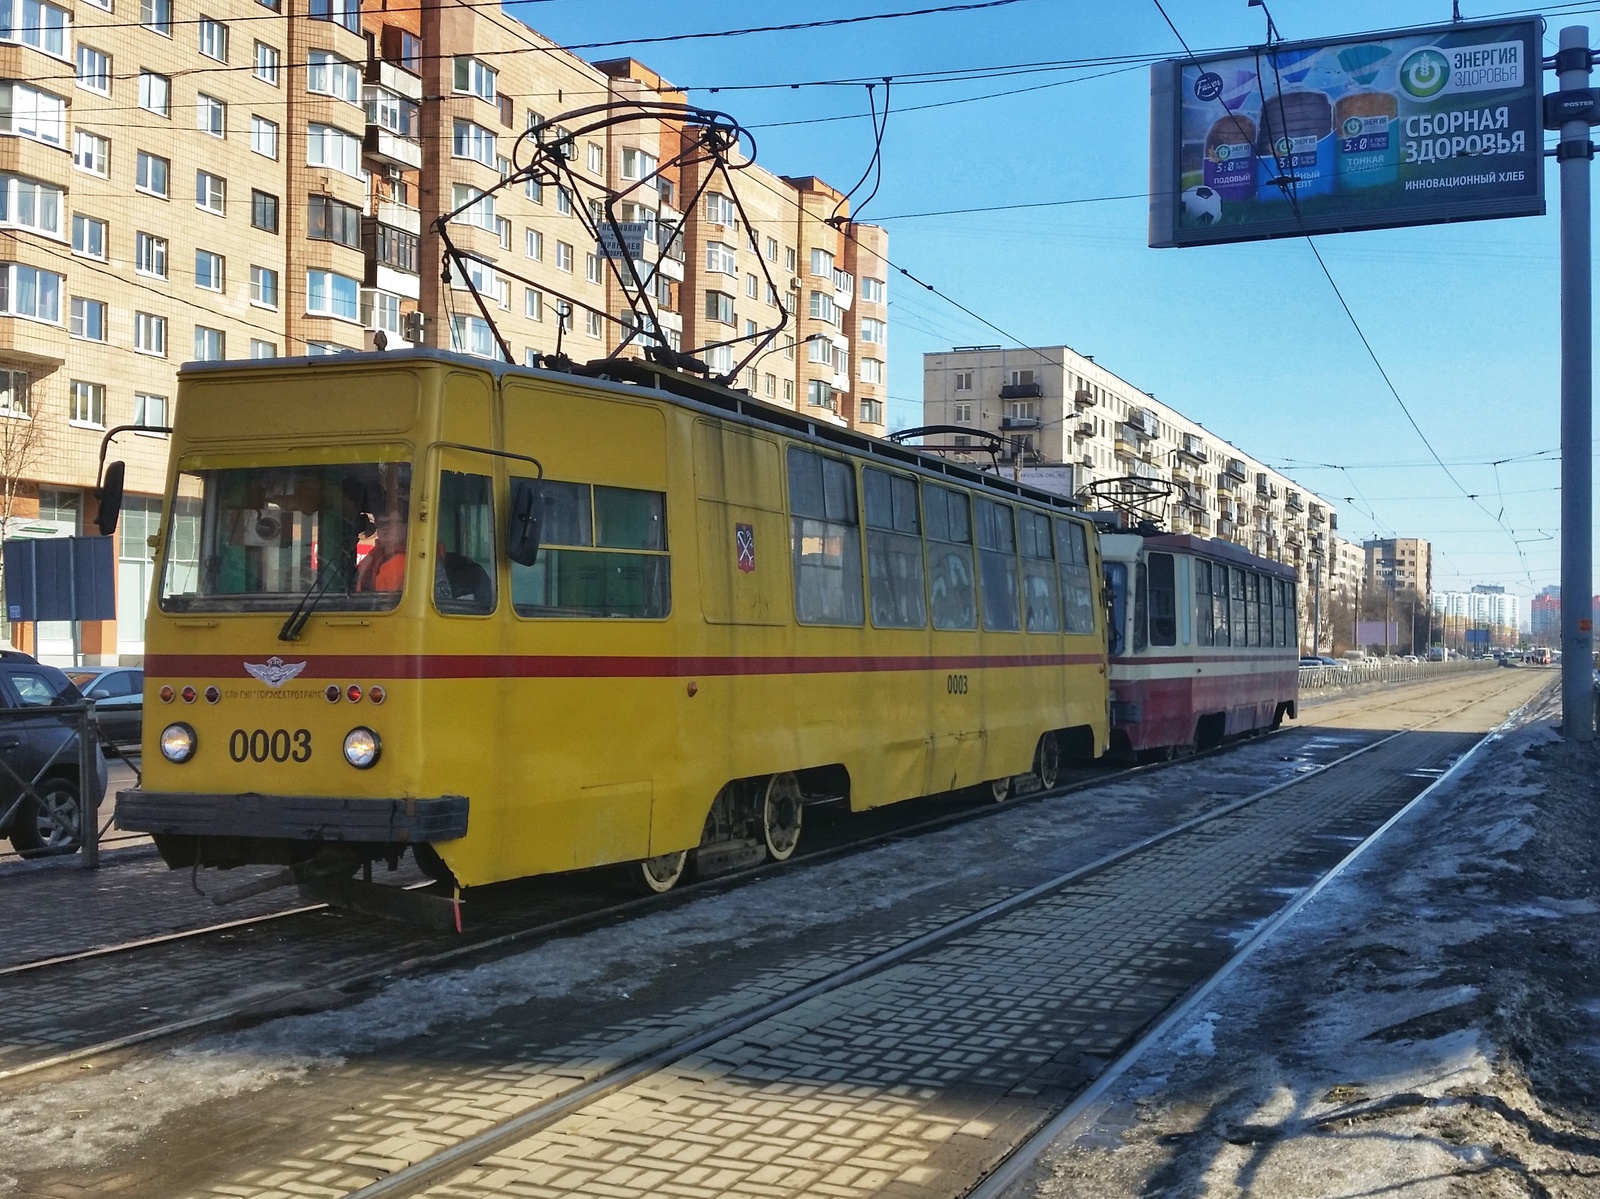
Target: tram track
485,1151
348,981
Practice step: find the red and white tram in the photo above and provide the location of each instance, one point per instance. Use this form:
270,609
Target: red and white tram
1203,642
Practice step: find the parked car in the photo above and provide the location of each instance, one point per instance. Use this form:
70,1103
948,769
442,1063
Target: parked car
30,738
1312,662
118,694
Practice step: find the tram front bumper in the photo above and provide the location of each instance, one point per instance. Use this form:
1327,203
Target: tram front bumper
293,817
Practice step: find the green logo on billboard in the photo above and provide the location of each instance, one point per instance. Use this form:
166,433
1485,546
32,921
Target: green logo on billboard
1424,73
1352,126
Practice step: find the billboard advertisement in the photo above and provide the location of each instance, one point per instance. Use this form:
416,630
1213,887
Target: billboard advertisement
1407,128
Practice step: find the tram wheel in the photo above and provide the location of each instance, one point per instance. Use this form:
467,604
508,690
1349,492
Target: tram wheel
658,875
781,814
1000,789
1047,761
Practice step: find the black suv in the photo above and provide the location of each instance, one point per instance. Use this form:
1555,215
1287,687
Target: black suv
28,739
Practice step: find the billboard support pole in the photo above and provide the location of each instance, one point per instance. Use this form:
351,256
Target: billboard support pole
1574,61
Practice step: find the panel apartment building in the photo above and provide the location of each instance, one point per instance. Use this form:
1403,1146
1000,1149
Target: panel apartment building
238,179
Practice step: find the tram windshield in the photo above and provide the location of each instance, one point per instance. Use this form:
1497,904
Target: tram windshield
266,536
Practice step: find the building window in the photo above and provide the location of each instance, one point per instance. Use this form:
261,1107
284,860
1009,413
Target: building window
822,307
873,331
819,349
636,164
150,255
563,201
14,393
87,319
155,93
264,137
149,411
963,380
263,211
597,159
327,146
871,412
471,334
380,310
752,286
533,190
873,289
822,264
150,334
94,70
33,114
88,404
473,78
263,349
210,345
266,64
532,304
502,229
533,244
213,39
591,267
963,414
156,16
719,209
211,115
329,75
397,248
471,140
872,370
150,174
208,270
719,307
29,204
410,54
592,325
88,236
328,219
345,13
210,192
472,207
332,294
563,257
91,153
721,258
326,349
42,26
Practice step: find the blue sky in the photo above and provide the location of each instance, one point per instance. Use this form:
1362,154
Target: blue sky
1250,339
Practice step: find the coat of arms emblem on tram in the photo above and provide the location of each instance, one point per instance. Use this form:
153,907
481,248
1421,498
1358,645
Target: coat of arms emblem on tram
274,672
744,543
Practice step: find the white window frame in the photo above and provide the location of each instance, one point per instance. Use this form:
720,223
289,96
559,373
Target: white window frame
92,398
263,137
220,336
472,142
472,77
218,271
210,193
563,257
150,334
259,276
722,259
213,39
345,147
143,401
329,284
211,115
37,115
157,255
330,74
533,244
266,64
34,205
77,325
87,222
45,27
156,16
98,76
91,153
263,349
155,93
148,188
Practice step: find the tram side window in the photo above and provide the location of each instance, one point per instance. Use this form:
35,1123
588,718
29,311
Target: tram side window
1041,582
825,536
997,566
950,582
1220,584
1117,584
1077,593
895,584
1205,632
1261,591
1240,606
464,573
1163,600
1141,608
603,553
1291,634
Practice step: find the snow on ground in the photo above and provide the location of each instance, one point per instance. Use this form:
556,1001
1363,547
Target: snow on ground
1428,1026
78,1123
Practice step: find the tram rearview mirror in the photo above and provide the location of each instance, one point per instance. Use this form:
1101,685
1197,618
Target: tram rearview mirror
109,493
522,529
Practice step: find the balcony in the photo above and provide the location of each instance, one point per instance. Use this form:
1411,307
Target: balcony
391,149
1087,460
1317,514
1294,502
1192,448
1019,422
1235,470
1125,449
395,78
1180,473
1086,429
1083,399
400,216
1021,391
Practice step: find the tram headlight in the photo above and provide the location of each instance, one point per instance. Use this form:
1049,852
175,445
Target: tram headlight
362,747
178,742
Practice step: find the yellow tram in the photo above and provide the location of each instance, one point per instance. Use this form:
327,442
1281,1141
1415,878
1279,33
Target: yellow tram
523,621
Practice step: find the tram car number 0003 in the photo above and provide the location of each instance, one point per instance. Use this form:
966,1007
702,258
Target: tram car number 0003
280,745
956,684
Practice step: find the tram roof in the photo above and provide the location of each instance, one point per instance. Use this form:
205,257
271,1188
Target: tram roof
1226,551
628,375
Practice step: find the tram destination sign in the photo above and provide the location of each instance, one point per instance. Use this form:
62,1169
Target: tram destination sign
1408,128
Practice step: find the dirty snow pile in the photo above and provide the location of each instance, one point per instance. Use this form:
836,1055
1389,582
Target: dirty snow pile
1428,1026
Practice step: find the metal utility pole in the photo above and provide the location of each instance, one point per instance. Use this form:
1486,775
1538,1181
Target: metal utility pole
1574,61
1316,606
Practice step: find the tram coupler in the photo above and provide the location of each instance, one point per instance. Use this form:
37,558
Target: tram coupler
436,913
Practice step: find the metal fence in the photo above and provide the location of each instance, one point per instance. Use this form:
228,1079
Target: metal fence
79,746
1347,674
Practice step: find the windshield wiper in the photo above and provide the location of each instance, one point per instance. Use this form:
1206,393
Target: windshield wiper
308,603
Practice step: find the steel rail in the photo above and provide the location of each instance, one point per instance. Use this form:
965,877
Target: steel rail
1021,1159
419,1175
371,976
